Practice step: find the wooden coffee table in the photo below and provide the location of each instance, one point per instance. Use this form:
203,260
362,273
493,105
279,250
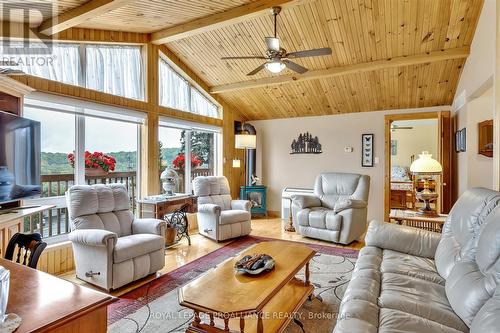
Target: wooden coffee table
224,301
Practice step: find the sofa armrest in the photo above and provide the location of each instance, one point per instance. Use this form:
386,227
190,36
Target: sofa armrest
93,237
305,201
209,209
241,205
349,203
417,242
149,226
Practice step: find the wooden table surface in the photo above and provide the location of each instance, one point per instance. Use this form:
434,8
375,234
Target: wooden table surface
45,302
221,290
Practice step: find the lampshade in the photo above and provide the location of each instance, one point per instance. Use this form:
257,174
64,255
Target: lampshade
426,165
236,164
243,141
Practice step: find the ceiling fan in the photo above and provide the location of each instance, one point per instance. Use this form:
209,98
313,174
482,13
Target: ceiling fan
396,127
277,58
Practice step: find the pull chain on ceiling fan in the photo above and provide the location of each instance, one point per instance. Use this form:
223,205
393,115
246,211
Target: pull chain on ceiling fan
277,57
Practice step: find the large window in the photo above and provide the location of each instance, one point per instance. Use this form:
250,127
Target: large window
191,151
82,143
116,70
177,93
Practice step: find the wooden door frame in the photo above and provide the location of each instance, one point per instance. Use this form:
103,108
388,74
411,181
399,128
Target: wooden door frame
444,148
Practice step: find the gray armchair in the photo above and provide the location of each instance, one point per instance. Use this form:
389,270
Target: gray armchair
220,217
111,247
337,211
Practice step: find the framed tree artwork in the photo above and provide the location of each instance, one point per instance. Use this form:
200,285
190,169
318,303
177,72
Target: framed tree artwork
367,143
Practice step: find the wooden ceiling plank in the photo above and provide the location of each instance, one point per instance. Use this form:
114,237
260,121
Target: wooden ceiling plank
219,20
349,69
79,15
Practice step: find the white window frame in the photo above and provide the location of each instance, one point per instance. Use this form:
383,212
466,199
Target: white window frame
189,127
192,85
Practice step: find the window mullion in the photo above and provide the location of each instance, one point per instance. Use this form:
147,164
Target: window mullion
187,163
80,149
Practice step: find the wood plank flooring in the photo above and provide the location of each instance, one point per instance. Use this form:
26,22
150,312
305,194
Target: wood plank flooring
182,253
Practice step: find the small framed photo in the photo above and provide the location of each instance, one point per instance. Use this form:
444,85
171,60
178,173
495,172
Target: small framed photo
367,143
461,140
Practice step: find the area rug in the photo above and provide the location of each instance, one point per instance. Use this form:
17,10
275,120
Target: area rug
154,307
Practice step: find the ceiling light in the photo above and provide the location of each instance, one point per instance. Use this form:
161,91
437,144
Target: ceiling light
275,66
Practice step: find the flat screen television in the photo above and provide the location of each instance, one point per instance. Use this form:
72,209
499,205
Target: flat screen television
20,155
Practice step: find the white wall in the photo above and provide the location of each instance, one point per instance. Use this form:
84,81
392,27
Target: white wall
412,142
470,105
474,169
279,169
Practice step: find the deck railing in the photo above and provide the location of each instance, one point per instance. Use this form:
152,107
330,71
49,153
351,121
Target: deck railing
54,222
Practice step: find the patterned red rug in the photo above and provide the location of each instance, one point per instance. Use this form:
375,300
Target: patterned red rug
138,298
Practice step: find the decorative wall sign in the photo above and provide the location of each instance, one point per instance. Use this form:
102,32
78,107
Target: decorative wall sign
306,144
367,143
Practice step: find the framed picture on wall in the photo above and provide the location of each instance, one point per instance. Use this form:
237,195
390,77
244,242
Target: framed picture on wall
394,147
461,140
367,143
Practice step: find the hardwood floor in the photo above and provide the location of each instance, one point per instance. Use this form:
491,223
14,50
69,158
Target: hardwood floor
182,253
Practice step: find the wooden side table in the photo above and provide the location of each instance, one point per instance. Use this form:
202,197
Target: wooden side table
158,206
412,219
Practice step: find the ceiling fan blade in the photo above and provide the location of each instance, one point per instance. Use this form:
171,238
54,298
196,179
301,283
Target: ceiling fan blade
295,67
273,43
309,53
258,69
243,57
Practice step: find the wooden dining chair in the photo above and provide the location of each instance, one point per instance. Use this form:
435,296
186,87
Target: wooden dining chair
28,246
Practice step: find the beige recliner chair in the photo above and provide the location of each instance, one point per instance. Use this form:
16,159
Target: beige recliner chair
111,247
337,211
220,217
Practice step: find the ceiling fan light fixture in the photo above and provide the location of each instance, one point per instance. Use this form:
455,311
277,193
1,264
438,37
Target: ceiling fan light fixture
275,66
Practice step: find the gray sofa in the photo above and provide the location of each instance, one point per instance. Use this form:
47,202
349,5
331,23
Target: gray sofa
110,246
412,280
219,217
337,211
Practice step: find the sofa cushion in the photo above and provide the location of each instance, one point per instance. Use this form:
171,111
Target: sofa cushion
420,298
132,246
417,267
392,321
473,281
320,218
330,187
234,216
462,226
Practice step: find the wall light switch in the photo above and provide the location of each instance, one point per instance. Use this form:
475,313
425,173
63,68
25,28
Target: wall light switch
348,149
377,160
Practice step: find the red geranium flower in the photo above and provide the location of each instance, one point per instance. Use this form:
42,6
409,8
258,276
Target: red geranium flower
95,160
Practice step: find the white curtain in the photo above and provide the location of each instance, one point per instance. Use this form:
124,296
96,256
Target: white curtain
174,90
202,106
115,70
63,65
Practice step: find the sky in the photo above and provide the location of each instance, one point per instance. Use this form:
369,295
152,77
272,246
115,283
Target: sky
58,133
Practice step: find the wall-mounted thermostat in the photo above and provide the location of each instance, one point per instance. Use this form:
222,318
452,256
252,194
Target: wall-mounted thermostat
348,149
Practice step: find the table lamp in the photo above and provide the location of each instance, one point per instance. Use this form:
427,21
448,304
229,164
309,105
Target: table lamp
245,141
426,166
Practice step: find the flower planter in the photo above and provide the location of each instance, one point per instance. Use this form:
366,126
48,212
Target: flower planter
95,172
170,236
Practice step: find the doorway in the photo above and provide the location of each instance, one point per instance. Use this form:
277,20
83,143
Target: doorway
406,136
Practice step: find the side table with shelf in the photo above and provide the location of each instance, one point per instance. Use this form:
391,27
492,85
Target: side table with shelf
412,219
158,207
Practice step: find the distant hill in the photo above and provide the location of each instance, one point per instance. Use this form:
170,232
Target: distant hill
57,163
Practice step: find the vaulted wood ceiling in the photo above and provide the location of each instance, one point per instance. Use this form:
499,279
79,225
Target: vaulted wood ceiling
358,31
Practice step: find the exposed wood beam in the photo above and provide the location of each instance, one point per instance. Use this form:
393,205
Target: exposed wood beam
219,20
79,15
428,57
